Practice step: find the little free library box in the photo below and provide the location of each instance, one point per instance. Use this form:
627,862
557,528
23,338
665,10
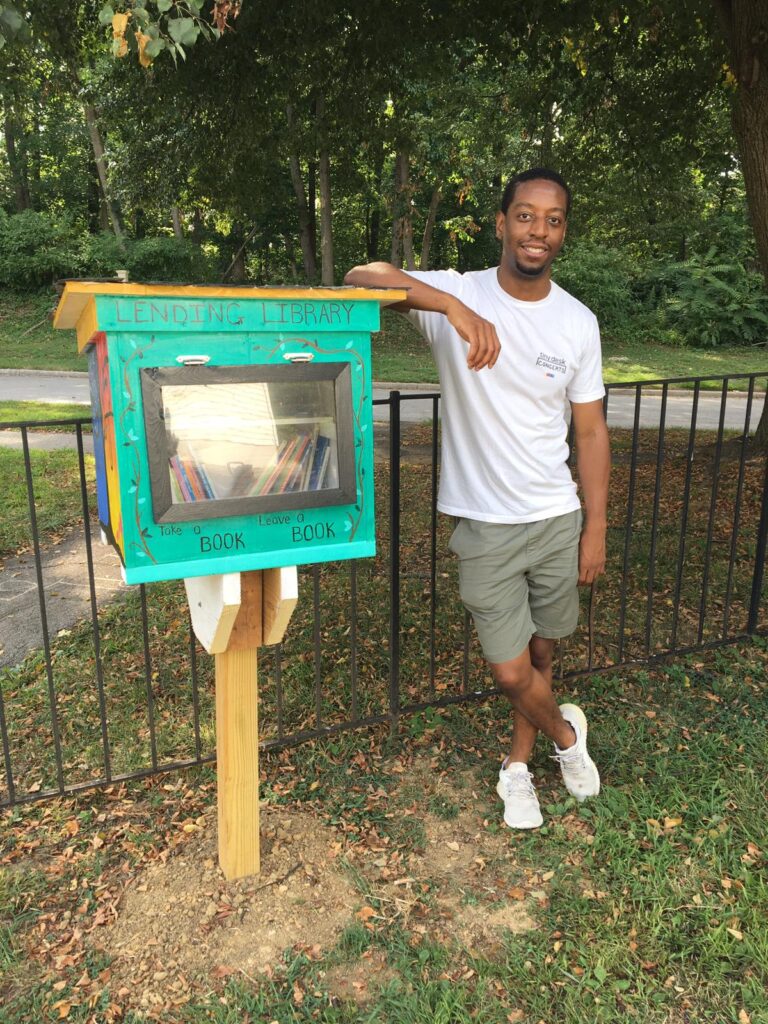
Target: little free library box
233,426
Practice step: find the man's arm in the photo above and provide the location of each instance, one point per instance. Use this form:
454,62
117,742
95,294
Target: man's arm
479,334
593,458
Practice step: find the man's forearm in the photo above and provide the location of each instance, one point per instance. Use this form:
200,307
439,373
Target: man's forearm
593,458
384,275
479,333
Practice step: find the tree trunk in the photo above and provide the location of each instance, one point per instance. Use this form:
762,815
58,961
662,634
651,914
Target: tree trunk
429,227
407,212
93,197
290,252
372,238
101,167
16,164
312,203
746,28
326,218
197,226
236,270
326,212
305,216
178,230
400,209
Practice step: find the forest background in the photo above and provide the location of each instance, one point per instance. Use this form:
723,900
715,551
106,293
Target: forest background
286,146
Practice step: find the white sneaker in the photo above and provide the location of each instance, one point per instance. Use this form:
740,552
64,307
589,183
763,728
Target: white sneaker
521,805
580,773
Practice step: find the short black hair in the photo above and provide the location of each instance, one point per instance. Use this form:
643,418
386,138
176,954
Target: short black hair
535,174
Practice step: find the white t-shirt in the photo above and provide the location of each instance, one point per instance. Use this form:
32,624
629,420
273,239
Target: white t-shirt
504,432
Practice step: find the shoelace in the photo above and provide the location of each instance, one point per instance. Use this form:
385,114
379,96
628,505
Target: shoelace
570,760
519,782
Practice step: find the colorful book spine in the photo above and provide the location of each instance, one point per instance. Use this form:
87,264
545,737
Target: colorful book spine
320,462
289,466
297,467
178,486
186,487
193,477
200,468
310,458
274,478
268,470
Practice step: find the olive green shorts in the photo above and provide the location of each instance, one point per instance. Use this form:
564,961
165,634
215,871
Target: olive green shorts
519,579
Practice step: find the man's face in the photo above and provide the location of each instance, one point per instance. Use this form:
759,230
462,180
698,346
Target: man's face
533,229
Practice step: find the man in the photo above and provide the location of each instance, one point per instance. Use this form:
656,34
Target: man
519,537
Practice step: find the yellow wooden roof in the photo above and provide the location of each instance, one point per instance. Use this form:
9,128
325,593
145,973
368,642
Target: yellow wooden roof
77,294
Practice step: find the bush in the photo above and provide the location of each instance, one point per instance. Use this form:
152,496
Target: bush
103,254
166,259
602,279
35,250
705,302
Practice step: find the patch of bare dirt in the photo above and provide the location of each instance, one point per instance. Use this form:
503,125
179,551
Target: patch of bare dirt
359,982
464,884
182,923
181,928
480,927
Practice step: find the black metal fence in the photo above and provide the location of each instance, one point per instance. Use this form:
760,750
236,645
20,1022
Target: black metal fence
125,692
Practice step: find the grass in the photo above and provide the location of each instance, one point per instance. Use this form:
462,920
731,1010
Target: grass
27,338
28,341
58,503
49,412
649,901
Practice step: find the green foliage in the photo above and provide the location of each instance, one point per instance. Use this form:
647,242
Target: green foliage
103,254
12,24
148,27
166,259
35,249
708,302
602,278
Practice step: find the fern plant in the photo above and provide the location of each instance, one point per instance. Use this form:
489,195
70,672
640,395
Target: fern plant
708,302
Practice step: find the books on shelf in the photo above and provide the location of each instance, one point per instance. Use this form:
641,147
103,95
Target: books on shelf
299,463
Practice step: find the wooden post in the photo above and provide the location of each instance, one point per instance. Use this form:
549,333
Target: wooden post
233,616
237,762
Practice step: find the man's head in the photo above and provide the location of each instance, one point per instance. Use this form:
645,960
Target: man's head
535,174
532,221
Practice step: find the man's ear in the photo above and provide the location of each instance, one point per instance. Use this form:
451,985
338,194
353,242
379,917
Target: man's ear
500,220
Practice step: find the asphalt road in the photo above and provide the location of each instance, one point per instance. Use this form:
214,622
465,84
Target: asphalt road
73,387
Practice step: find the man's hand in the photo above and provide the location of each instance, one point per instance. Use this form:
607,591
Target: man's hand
480,334
591,554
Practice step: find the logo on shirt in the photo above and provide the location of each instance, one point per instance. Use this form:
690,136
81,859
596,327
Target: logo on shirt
553,365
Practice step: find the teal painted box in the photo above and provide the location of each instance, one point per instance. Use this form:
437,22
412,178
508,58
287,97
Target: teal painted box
233,427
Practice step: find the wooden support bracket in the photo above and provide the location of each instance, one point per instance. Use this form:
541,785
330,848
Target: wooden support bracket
233,615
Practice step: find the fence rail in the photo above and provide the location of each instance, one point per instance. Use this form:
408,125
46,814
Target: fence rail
127,693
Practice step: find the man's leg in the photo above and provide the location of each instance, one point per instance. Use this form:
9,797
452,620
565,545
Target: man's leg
530,694
524,734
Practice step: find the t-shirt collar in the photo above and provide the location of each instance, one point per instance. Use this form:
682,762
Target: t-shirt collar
524,303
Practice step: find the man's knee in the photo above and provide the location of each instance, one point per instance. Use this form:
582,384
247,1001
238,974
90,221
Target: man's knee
513,677
542,653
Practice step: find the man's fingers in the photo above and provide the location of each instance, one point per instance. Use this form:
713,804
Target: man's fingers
484,346
488,347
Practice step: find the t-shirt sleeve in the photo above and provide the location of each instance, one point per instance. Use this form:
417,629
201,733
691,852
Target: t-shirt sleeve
587,382
429,323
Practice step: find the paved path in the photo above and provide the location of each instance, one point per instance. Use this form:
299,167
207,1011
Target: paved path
73,387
